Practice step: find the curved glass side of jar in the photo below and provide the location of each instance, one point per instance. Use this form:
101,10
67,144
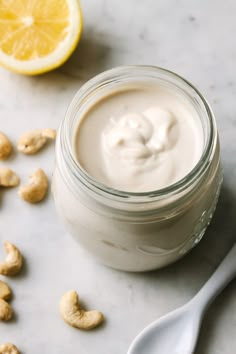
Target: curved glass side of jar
143,231
141,243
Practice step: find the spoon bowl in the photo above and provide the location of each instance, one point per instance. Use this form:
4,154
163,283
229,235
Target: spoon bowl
174,333
177,332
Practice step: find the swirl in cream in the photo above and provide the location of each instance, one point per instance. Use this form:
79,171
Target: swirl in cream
139,140
140,136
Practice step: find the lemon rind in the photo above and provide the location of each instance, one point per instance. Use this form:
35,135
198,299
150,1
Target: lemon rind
57,57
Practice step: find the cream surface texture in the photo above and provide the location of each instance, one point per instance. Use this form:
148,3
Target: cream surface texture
139,139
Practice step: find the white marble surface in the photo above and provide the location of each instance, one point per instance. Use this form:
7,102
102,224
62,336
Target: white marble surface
194,38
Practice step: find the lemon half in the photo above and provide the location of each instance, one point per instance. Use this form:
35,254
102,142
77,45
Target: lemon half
37,36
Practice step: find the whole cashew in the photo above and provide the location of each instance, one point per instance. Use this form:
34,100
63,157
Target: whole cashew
8,348
72,313
5,311
5,291
33,141
5,146
36,190
13,262
8,178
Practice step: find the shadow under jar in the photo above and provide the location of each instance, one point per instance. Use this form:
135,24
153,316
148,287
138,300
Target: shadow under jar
136,231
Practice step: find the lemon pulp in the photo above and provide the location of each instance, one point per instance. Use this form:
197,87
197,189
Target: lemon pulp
38,35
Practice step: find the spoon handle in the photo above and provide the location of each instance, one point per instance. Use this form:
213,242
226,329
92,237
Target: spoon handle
225,272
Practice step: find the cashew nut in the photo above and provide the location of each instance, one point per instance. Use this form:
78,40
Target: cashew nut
5,311
5,146
36,190
13,262
76,317
8,178
8,348
5,291
33,141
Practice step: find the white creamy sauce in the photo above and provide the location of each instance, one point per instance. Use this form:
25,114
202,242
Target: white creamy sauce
139,140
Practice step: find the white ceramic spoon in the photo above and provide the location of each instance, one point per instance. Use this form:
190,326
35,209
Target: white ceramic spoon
177,332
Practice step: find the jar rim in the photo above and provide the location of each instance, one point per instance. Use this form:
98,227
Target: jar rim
104,190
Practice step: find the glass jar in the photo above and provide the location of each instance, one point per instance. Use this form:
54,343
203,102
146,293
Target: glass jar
136,231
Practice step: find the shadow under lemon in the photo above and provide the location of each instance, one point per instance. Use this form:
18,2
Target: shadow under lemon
89,59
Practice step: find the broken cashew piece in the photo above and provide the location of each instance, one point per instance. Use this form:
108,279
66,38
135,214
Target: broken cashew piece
13,262
8,178
5,311
33,141
36,190
5,146
5,291
75,316
8,348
